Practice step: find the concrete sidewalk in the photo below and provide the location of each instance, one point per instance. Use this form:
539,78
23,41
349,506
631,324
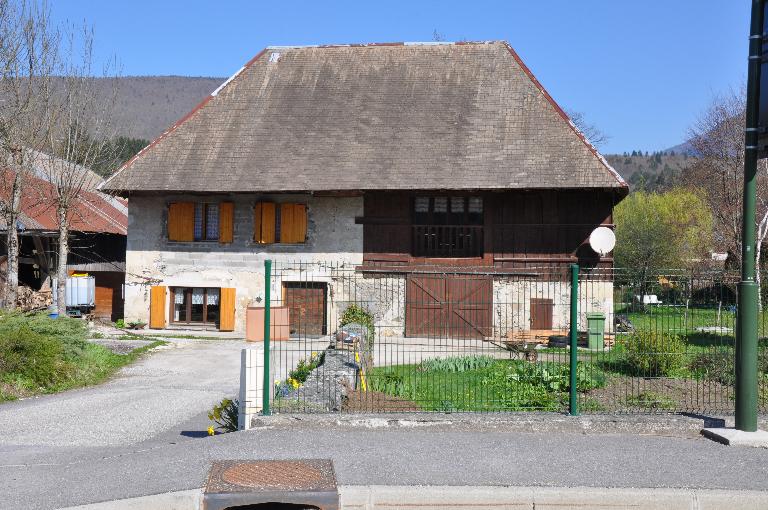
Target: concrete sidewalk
377,497
387,452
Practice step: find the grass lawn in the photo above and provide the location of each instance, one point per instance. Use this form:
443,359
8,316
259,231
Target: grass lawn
40,355
464,384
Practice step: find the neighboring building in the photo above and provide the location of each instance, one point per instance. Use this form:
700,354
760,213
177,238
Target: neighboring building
97,240
386,159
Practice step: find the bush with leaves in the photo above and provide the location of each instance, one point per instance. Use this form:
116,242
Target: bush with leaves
357,314
31,355
652,354
224,415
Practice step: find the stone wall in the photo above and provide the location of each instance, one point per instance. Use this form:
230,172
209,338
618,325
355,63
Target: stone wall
333,238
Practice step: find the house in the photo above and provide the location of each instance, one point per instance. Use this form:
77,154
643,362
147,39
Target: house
98,229
396,162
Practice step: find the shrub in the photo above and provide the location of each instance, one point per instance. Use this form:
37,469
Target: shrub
120,323
224,415
71,333
653,354
356,313
457,363
26,353
304,367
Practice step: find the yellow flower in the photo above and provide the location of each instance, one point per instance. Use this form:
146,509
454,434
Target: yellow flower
314,354
277,383
211,432
293,382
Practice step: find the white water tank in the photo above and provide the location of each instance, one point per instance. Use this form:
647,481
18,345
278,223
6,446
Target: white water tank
81,291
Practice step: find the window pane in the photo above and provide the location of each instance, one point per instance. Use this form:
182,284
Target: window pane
212,222
441,204
212,306
197,305
421,205
475,204
457,204
198,221
179,304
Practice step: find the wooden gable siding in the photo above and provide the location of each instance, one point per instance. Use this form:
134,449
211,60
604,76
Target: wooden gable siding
520,228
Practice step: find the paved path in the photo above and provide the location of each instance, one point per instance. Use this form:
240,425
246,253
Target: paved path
162,391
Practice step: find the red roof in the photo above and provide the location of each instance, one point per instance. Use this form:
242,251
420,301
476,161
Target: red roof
93,211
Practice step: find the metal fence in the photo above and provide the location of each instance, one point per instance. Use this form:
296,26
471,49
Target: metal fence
346,339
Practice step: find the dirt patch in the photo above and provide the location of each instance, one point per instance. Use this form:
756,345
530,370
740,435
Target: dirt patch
640,394
374,402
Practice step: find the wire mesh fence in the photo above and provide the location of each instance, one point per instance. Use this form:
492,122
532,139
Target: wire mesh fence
345,339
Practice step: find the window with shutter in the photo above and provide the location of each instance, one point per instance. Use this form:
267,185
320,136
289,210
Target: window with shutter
286,223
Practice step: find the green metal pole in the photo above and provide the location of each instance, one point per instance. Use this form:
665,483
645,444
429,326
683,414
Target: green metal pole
573,397
267,330
746,327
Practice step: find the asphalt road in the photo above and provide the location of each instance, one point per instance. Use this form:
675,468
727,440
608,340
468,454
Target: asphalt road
433,455
162,391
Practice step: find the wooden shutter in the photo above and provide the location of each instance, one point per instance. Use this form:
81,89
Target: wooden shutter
181,221
293,223
226,222
227,310
157,307
264,223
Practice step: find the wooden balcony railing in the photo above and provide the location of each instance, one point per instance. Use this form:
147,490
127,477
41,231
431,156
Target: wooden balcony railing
444,241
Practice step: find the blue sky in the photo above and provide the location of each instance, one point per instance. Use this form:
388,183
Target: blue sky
640,71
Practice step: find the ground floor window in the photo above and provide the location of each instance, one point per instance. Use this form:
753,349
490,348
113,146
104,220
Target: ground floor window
195,305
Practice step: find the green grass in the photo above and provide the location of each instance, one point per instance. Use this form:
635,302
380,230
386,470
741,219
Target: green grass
454,384
39,355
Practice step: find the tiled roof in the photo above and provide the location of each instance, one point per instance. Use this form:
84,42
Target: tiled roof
372,117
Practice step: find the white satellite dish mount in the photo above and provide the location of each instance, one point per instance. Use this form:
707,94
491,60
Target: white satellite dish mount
602,240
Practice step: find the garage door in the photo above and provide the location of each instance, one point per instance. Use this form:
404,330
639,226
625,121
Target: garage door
449,306
306,307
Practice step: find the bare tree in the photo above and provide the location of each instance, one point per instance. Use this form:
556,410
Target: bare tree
595,136
80,137
717,139
27,58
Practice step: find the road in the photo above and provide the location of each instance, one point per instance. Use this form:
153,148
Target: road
162,391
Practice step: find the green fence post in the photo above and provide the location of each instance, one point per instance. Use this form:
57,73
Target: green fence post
573,397
267,330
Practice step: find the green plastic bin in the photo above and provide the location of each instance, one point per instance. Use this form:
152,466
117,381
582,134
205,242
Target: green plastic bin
595,330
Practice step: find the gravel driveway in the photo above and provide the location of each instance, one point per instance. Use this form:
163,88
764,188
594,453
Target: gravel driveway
161,391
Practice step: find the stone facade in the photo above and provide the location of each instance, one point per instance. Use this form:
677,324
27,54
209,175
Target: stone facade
333,238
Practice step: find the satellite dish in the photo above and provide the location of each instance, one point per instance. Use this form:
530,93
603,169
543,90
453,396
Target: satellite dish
602,240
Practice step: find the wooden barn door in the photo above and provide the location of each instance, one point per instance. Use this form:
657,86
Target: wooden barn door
449,306
306,302
541,313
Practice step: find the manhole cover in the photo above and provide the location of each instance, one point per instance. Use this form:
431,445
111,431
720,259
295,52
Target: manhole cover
309,482
274,475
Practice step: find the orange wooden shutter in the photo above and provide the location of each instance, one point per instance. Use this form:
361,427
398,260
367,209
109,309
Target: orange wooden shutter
181,221
226,222
157,307
293,223
264,223
227,310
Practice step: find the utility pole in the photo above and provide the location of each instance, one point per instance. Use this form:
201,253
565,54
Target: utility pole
746,327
